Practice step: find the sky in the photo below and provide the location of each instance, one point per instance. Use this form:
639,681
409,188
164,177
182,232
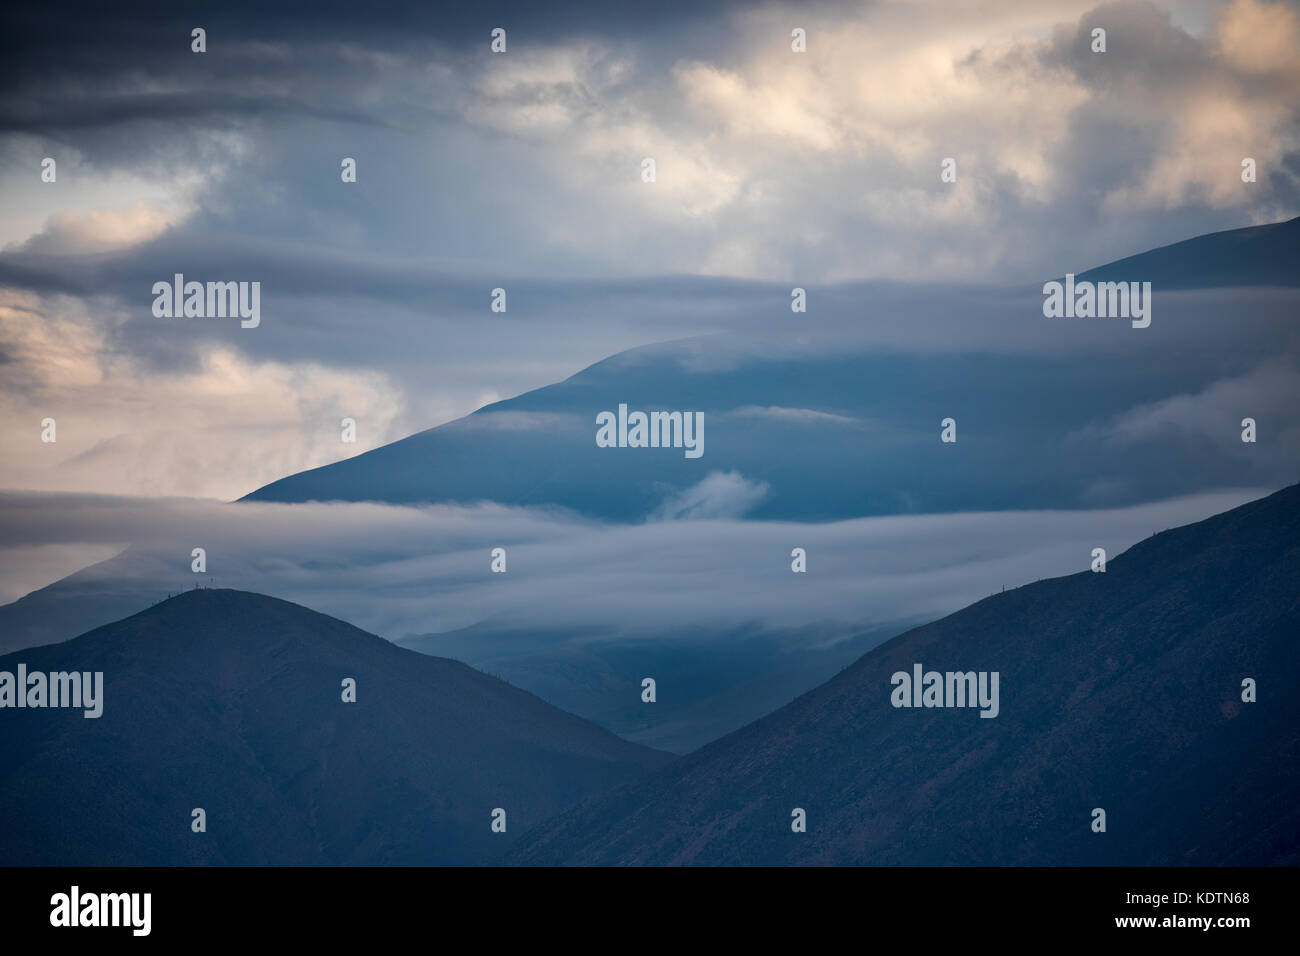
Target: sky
523,170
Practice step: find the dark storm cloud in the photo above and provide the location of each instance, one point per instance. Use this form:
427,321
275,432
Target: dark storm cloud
30,114
462,157
114,79
87,42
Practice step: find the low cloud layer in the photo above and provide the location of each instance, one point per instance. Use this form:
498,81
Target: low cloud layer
399,571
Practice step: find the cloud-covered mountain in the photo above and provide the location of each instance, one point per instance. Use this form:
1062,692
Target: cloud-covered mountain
799,426
1120,691
1060,424
232,702
828,438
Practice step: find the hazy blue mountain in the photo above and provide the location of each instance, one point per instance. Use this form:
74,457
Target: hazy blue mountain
230,701
1120,691
823,433
826,437
1267,255
106,591
708,683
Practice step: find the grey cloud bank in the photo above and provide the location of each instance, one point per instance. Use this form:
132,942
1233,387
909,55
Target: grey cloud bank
398,571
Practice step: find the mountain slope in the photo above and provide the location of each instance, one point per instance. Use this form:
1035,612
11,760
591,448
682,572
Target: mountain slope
1267,255
710,681
1120,691
107,591
231,702
872,407
783,433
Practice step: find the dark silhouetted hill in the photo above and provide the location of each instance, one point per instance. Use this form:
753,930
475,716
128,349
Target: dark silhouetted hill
230,701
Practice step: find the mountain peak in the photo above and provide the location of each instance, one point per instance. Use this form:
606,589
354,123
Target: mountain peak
238,703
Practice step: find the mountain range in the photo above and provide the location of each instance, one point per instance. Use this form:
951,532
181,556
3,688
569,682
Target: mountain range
1157,691
810,431
1121,691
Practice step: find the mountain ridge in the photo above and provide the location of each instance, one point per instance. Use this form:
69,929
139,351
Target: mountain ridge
1263,255
1119,690
879,408
232,701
